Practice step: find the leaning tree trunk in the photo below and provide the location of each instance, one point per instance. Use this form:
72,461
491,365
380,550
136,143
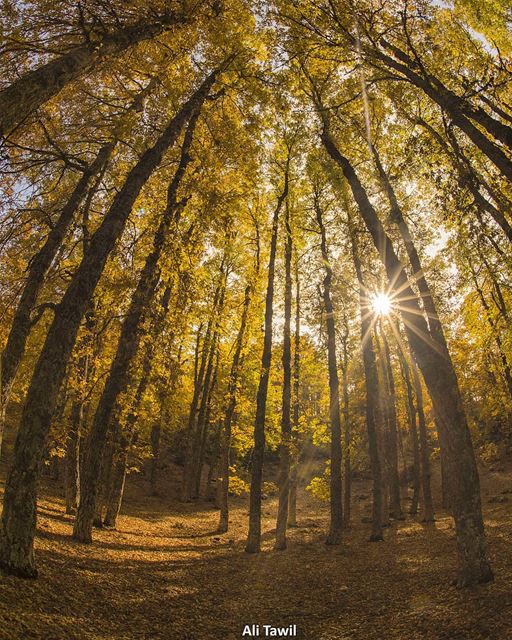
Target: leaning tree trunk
286,422
33,89
372,392
254,536
120,373
439,374
19,512
336,496
37,270
455,107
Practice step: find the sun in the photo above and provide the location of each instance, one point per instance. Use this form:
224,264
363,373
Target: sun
381,304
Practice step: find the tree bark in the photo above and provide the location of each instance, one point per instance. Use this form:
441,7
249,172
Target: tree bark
119,377
223,479
292,507
428,505
336,495
437,369
457,108
286,418
25,95
372,392
254,536
413,432
395,508
19,512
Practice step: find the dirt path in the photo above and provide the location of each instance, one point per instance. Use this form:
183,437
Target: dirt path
166,574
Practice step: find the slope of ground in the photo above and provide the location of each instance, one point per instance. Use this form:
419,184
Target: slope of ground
166,574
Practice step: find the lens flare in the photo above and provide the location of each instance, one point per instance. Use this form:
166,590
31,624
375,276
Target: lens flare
381,304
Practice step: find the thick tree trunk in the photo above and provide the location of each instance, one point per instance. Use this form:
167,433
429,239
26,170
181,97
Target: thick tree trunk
24,96
254,535
37,270
223,479
437,369
119,377
372,393
286,417
336,496
458,109
19,512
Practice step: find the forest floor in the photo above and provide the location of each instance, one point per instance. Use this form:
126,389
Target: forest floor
166,574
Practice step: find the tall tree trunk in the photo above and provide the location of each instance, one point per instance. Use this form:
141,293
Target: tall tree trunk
457,108
392,433
71,487
119,377
286,418
347,471
223,479
507,371
204,425
413,432
428,505
469,179
155,438
336,496
437,369
292,507
19,512
254,535
199,390
26,94
37,270
40,263
372,392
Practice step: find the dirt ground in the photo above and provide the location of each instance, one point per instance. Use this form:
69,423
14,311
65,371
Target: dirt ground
166,574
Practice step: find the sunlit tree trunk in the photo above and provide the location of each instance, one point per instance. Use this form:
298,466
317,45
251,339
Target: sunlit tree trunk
392,433
428,505
33,89
223,479
19,512
119,376
336,497
372,392
437,369
413,432
292,506
254,535
286,418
